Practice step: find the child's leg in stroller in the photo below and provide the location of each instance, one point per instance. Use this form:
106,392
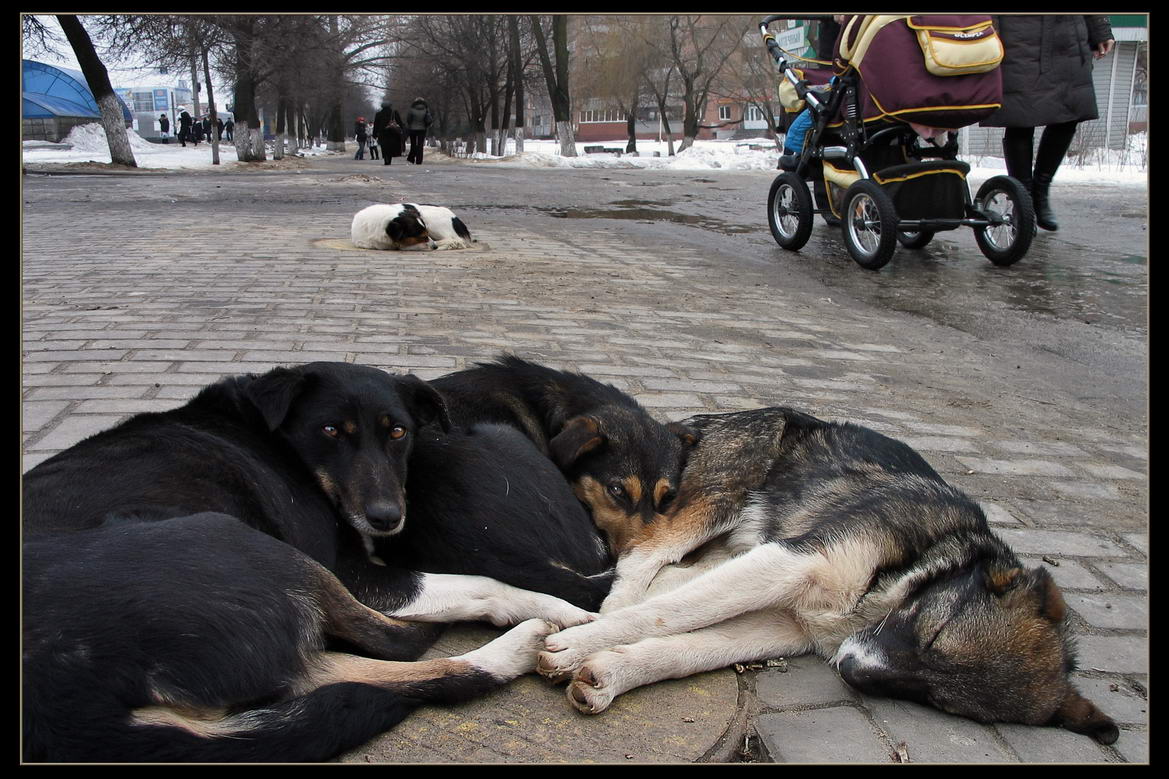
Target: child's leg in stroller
1053,145
793,140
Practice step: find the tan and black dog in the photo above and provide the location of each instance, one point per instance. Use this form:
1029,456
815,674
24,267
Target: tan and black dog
624,465
793,535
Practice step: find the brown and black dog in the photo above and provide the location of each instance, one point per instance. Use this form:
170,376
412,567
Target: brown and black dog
624,465
793,535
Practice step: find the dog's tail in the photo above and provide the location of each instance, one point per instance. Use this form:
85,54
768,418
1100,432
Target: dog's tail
312,728
462,231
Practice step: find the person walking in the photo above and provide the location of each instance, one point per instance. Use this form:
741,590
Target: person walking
387,128
1047,82
418,121
360,134
184,126
229,128
164,125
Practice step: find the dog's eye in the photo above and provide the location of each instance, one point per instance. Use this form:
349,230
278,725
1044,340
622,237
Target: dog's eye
397,432
331,431
666,500
616,490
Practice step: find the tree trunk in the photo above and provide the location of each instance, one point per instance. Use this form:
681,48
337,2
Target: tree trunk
213,113
557,79
631,127
98,79
249,135
516,64
281,127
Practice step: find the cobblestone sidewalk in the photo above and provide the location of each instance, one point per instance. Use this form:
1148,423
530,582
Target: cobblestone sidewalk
116,323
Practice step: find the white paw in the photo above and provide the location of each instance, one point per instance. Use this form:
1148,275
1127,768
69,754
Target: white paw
592,689
552,609
514,653
563,654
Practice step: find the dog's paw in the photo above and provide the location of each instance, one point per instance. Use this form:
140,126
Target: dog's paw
563,653
547,607
514,653
595,684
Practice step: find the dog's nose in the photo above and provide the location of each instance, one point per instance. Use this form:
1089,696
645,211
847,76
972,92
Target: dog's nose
383,515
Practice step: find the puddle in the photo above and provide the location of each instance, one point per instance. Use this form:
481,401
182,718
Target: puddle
628,211
346,245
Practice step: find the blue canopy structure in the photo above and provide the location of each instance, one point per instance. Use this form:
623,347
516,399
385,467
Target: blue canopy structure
50,90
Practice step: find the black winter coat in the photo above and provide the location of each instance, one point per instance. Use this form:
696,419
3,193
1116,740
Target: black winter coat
388,138
1047,69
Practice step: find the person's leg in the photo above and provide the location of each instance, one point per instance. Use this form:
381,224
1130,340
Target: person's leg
1018,151
1053,146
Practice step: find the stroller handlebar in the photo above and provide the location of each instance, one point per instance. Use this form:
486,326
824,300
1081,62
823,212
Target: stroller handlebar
769,39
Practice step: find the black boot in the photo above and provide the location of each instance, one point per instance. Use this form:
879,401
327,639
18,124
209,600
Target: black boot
1040,191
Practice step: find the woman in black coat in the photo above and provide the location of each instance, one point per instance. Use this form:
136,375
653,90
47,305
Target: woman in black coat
387,128
1047,82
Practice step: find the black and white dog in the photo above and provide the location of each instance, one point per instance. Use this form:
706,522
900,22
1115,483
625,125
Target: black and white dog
409,226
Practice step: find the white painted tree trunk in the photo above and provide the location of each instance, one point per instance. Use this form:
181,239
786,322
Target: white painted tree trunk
518,134
567,139
249,142
115,128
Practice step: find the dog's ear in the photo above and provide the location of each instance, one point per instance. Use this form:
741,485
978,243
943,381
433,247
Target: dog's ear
578,436
274,392
394,230
426,404
688,435
1080,715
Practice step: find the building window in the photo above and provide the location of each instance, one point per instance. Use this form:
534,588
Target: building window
607,115
753,114
724,112
1140,84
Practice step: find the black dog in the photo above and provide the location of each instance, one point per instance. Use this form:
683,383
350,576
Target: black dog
314,457
623,465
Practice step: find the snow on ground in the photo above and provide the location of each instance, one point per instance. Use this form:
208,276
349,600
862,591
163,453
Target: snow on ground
1126,168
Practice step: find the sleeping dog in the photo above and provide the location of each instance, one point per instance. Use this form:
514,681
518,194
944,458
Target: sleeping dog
409,226
184,571
793,535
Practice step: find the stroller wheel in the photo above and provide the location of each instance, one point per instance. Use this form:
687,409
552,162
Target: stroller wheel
1005,202
789,211
914,239
869,224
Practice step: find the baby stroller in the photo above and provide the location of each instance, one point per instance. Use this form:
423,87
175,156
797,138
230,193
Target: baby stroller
881,152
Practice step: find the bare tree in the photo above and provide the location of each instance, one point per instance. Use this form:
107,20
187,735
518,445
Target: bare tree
98,79
612,65
699,48
556,76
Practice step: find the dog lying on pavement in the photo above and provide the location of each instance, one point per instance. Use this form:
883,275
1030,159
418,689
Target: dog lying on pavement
179,586
403,226
793,535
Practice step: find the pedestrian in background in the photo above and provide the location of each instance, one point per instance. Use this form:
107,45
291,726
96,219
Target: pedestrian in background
184,126
218,128
164,125
1047,82
229,128
373,151
387,128
360,134
418,121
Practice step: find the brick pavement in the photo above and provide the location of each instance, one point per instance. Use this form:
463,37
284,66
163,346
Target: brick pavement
119,324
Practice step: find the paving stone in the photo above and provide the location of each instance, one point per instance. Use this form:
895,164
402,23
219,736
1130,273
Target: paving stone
1113,654
1111,610
1015,467
840,734
36,414
1133,745
1051,745
1134,576
1069,574
932,736
1116,698
1029,541
809,681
